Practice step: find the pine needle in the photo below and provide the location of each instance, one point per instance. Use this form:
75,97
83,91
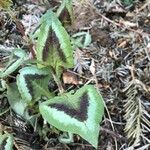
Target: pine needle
136,115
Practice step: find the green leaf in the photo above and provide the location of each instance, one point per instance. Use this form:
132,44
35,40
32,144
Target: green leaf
16,102
6,141
2,138
65,12
33,83
9,143
2,85
127,2
53,43
81,39
18,57
78,113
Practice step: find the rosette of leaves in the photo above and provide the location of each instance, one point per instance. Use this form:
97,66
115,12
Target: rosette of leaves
76,113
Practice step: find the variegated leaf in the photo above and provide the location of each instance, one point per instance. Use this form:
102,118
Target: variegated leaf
53,46
65,12
78,113
33,83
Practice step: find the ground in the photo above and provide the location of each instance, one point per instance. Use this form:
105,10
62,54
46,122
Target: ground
118,55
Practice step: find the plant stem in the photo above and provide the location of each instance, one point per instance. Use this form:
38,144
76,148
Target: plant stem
58,82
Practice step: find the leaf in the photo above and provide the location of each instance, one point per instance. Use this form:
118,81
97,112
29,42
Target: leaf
33,83
6,141
70,78
2,138
127,2
78,113
5,4
9,143
53,43
15,100
81,39
65,12
18,57
2,85
92,67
